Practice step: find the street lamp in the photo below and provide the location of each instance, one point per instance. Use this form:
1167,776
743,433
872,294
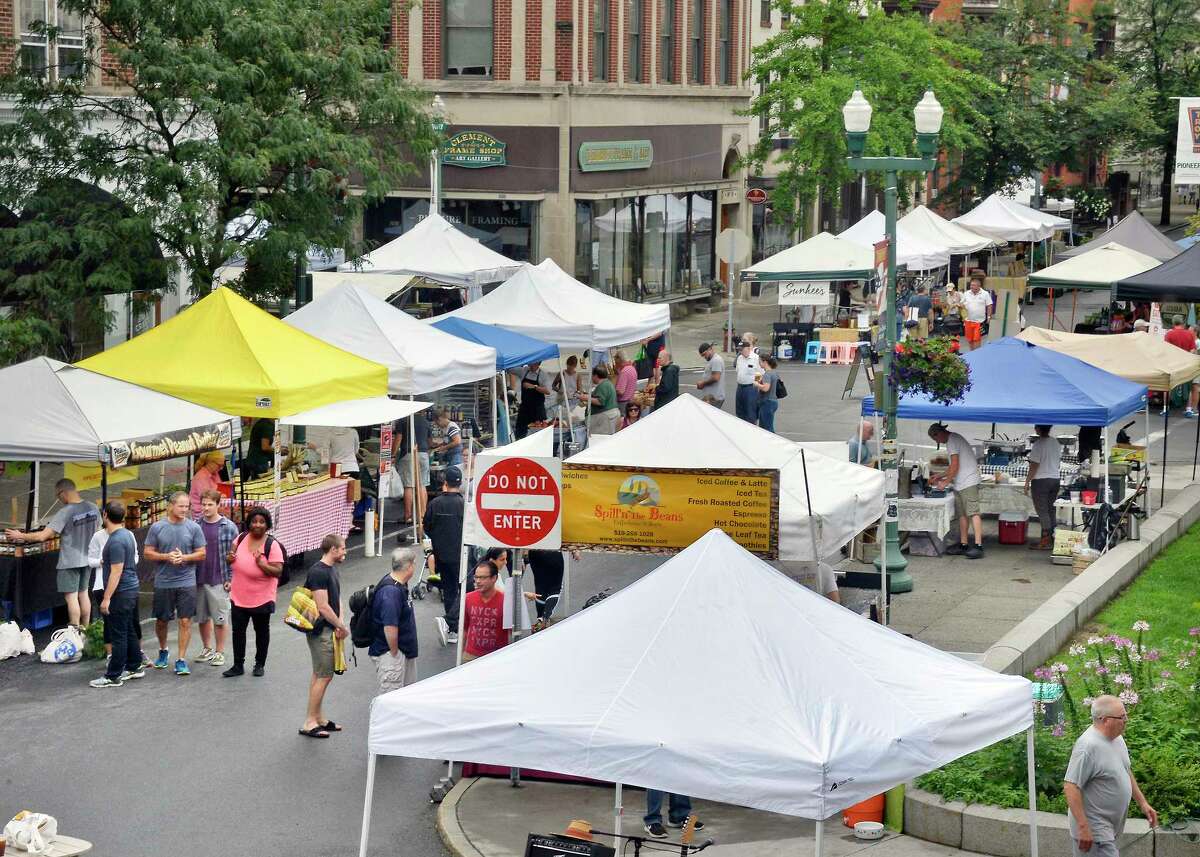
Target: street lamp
438,120
856,116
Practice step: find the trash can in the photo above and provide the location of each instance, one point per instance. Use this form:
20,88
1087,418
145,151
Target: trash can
1050,694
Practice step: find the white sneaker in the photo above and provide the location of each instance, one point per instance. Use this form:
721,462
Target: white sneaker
218,659
129,676
452,638
105,681
443,630
204,657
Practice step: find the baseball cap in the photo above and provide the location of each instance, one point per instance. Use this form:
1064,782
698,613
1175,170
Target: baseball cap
937,428
704,346
453,476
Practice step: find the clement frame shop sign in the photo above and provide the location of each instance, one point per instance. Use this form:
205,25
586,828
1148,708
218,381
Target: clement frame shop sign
474,150
616,155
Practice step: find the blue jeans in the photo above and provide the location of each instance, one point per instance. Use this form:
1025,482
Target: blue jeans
679,807
122,631
746,403
766,413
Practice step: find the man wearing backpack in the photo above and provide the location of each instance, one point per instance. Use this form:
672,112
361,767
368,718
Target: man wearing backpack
394,627
444,525
326,586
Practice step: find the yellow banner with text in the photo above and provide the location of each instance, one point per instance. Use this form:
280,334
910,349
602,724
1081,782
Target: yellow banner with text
664,510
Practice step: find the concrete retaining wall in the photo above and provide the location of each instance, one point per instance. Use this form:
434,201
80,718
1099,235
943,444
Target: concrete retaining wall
1005,832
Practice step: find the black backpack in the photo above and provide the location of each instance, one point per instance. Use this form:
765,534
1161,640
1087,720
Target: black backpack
362,619
284,576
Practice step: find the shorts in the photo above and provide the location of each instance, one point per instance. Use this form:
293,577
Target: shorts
715,402
405,469
74,579
973,331
171,603
212,604
966,501
394,672
1098,849
320,648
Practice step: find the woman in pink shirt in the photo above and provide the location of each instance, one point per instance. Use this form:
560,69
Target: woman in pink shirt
206,478
626,381
256,561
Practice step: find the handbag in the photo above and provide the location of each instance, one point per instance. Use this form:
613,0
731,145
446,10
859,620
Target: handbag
780,390
65,647
32,832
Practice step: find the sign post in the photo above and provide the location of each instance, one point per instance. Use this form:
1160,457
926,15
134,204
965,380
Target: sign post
733,245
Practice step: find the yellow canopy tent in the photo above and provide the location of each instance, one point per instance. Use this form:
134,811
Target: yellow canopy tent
226,353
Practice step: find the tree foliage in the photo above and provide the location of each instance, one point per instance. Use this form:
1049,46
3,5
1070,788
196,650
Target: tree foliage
1056,100
1159,49
810,68
207,109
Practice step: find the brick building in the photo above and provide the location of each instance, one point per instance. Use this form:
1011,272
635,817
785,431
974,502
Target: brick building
603,134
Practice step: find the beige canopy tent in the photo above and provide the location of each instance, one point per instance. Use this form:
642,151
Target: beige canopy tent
1138,357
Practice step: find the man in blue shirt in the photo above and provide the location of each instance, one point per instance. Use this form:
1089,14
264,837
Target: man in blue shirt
176,545
860,444
118,567
394,638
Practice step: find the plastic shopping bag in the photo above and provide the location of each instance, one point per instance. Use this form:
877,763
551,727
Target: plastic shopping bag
14,641
65,647
31,832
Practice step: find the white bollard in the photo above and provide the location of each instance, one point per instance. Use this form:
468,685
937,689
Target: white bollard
369,532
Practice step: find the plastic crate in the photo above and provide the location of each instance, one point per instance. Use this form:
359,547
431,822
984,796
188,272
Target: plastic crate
41,619
6,610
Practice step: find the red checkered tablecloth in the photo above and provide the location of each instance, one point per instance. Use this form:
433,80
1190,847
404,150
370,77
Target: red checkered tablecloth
307,517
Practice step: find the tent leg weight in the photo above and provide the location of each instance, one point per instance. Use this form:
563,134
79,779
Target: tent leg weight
438,793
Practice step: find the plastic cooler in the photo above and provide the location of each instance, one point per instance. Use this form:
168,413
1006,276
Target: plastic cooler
1012,528
870,809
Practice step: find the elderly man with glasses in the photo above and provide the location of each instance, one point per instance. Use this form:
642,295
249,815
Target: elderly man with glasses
1099,782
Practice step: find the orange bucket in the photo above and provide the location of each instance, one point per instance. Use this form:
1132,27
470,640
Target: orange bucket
870,809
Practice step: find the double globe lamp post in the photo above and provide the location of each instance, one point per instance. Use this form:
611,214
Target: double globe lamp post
856,116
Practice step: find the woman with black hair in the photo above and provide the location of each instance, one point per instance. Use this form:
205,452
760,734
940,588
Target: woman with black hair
256,562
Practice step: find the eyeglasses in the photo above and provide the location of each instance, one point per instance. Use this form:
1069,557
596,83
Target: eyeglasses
1116,716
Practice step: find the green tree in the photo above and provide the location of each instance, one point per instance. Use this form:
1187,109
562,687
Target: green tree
809,69
1056,100
209,109
1159,47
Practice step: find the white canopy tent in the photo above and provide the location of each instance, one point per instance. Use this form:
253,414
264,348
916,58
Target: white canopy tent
1034,214
419,357
437,250
382,286
59,412
545,302
356,412
822,257
912,250
1002,219
793,704
846,498
1099,268
934,228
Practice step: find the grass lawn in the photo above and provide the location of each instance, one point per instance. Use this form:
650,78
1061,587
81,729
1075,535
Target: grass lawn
1155,669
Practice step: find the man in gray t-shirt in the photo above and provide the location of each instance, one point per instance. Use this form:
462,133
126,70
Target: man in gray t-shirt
1099,782
712,385
75,524
175,545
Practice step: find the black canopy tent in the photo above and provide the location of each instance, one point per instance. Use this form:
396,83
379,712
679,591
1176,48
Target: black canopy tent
1174,281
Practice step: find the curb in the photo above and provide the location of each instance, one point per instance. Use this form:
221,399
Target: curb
448,827
1005,832
1044,631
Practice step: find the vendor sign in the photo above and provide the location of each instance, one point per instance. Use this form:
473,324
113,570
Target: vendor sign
664,510
802,293
1187,142
86,475
170,445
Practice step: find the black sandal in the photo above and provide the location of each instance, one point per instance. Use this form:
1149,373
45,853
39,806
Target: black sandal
315,732
330,726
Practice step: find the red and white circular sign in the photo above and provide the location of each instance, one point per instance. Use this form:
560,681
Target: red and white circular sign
518,502
756,196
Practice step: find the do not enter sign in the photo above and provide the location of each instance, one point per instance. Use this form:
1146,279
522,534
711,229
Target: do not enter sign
518,504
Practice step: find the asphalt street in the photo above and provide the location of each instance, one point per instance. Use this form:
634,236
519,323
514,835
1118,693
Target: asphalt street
202,764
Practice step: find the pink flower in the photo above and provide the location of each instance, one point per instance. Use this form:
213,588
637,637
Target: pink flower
1058,731
1101,670
1141,625
1152,655
1059,668
1194,632
1076,650
1095,641
1124,679
1128,697
1042,673
1166,673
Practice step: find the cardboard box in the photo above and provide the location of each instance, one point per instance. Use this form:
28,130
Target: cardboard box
132,495
1124,453
1065,541
353,491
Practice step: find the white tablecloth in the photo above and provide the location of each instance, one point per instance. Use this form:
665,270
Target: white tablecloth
1006,497
927,514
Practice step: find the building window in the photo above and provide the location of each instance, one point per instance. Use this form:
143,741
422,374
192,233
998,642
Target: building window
41,55
468,38
646,247
725,42
696,49
668,42
600,39
764,13
507,226
633,49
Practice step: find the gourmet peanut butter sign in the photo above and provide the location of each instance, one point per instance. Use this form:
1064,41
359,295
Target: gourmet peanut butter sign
664,510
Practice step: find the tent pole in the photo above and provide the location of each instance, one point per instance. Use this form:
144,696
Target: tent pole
1050,310
504,413
1074,301
1029,761
1149,493
366,822
618,810
819,837
379,490
31,507
564,594
1162,497
1104,494
495,411
413,454
1196,449
566,406
104,481
278,503
462,560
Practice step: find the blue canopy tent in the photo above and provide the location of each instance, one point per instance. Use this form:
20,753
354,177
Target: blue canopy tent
1016,382
512,350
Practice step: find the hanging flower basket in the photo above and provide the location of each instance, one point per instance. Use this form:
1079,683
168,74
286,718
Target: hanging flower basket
930,367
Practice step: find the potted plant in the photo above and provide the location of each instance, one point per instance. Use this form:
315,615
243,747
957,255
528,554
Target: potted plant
930,367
